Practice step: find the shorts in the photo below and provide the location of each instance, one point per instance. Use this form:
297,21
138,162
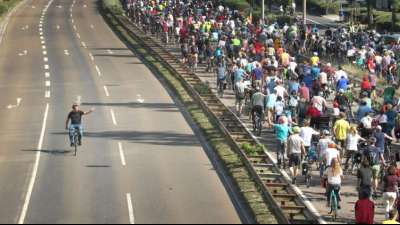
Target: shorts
294,160
239,101
376,169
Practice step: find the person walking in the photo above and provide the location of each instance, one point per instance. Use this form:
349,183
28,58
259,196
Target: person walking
296,149
390,188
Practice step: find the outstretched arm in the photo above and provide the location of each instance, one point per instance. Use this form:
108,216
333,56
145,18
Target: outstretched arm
88,112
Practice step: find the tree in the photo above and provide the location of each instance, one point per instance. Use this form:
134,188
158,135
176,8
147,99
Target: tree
370,5
395,5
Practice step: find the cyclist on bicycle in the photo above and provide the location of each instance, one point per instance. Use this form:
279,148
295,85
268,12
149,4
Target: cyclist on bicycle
75,116
258,101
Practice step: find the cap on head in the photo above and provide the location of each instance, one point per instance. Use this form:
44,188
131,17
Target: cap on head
379,128
296,130
341,91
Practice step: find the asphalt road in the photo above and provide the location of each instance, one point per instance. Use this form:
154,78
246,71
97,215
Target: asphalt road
141,160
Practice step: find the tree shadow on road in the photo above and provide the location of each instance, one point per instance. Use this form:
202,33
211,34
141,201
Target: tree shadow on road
161,107
168,138
54,152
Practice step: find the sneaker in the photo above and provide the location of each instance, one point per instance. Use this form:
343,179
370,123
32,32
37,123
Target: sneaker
294,181
80,143
72,145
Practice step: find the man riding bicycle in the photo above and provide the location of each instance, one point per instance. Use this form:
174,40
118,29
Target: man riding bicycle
258,103
75,116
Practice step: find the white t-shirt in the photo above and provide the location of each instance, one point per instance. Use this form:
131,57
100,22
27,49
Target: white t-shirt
367,122
330,154
334,180
280,91
352,142
323,146
340,74
306,134
279,108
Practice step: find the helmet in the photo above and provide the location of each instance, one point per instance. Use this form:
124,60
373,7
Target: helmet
326,132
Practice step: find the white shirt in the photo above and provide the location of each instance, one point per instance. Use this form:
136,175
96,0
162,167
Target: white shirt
330,154
367,122
352,142
306,134
280,91
323,146
339,74
279,108
334,180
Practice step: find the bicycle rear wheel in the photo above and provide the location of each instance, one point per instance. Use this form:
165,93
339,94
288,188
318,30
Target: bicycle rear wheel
76,137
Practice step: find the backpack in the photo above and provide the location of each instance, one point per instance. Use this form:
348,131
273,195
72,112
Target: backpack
372,157
240,95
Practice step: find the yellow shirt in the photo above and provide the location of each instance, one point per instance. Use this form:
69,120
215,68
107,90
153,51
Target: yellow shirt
314,60
341,128
390,222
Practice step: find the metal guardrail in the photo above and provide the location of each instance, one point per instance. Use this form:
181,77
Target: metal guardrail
286,201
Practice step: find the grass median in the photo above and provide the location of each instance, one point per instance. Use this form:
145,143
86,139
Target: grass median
250,195
6,6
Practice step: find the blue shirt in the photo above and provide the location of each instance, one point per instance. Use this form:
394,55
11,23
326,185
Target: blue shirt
257,74
270,101
239,75
380,141
315,72
342,84
282,132
308,81
294,86
362,111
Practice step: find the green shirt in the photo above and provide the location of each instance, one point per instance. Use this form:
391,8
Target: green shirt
388,94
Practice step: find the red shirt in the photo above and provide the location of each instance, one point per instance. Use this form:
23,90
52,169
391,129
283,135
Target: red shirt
366,85
365,211
313,112
304,93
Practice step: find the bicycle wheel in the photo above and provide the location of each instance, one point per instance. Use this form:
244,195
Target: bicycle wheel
334,205
76,143
259,127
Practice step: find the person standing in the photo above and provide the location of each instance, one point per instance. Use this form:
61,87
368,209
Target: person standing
240,94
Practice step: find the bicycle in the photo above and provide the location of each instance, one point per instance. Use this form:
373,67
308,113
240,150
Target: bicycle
257,123
333,204
76,136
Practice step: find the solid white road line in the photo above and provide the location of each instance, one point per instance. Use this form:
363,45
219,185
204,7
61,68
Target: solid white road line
130,208
48,94
106,91
35,169
113,117
121,153
98,70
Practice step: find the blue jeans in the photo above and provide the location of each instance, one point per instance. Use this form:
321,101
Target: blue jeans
72,129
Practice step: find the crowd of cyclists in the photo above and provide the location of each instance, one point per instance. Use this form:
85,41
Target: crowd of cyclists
323,117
